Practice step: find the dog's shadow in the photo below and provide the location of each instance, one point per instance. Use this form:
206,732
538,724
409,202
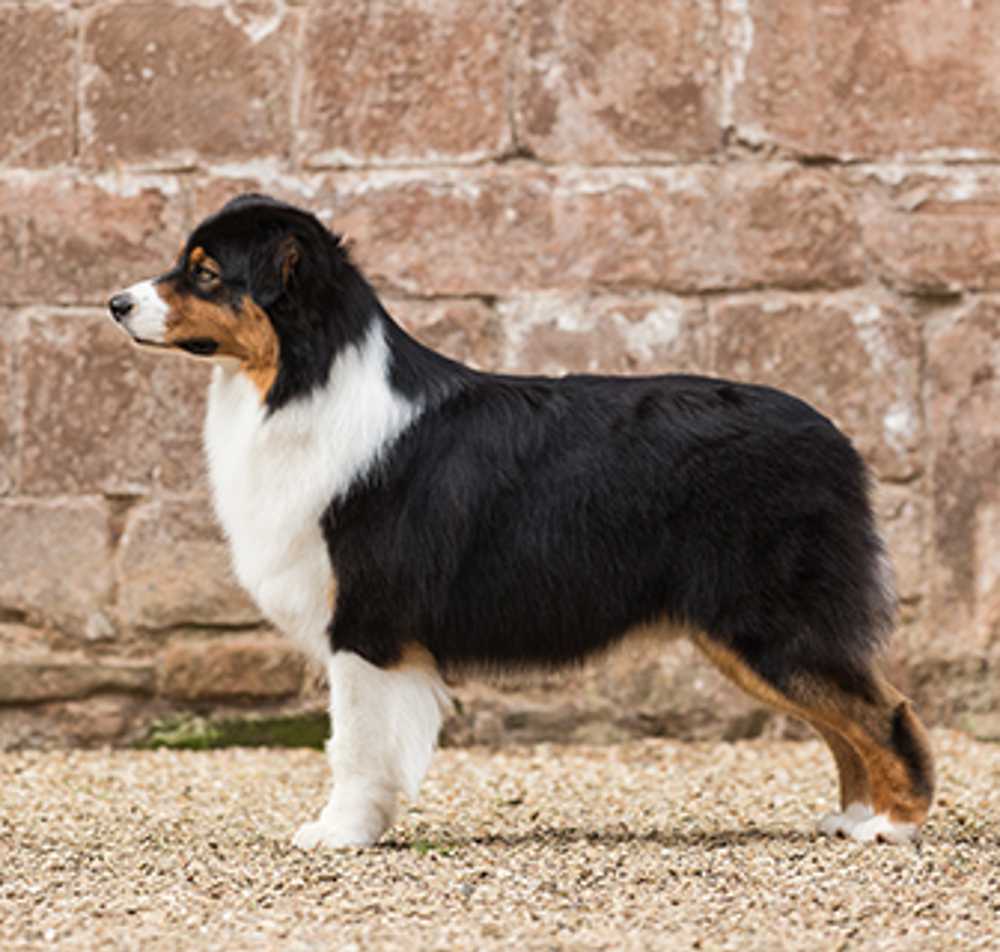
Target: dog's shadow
445,840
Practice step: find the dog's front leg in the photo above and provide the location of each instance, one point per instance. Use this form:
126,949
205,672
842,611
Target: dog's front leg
385,724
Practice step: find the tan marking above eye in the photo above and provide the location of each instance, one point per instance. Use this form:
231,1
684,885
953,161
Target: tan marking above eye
202,267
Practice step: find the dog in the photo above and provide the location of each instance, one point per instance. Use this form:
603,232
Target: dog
400,516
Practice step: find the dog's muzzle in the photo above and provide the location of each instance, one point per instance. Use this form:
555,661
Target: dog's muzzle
140,311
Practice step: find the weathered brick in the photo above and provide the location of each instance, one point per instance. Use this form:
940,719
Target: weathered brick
602,82
936,231
691,229
97,414
856,79
233,669
405,82
640,334
55,564
173,86
173,569
31,679
67,240
963,373
856,358
36,87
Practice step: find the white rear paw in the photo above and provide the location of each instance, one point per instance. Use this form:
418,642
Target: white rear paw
844,824
860,823
880,829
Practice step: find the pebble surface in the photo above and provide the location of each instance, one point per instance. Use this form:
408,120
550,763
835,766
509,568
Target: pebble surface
640,846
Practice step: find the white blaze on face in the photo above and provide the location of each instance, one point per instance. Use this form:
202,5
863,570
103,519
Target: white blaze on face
147,320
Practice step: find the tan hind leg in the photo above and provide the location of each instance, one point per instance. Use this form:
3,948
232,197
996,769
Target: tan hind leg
855,786
881,750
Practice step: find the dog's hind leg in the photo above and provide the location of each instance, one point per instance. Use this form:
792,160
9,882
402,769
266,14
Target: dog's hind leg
881,727
385,723
855,785
881,750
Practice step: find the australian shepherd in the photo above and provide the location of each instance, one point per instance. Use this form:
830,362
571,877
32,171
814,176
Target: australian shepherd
400,515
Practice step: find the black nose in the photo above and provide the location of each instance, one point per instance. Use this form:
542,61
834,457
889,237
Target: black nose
120,306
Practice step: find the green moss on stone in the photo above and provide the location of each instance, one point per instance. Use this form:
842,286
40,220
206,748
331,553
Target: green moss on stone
192,732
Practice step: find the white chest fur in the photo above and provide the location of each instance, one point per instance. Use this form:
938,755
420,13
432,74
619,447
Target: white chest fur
273,476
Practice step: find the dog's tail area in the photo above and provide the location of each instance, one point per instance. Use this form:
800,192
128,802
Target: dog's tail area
793,575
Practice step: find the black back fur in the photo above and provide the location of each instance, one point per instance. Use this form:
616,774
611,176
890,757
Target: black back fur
535,520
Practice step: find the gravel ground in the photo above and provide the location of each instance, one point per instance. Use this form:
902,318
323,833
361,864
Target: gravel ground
646,845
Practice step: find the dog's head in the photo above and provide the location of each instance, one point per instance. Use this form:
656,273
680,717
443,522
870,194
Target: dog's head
261,285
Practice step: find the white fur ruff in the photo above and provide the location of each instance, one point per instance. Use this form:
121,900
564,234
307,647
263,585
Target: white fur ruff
274,475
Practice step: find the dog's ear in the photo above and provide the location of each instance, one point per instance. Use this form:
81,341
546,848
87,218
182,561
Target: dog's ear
273,271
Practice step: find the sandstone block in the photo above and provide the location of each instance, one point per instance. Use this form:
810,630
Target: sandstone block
55,563
688,229
625,82
68,240
963,370
31,679
639,690
36,87
6,408
233,669
173,86
553,333
464,329
173,569
405,82
903,511
100,720
937,232
854,357
97,414
447,232
791,228
866,79
20,639
704,229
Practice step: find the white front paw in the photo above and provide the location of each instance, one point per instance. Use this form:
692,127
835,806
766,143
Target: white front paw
342,828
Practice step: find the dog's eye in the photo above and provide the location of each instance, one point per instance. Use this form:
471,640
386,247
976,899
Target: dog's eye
204,274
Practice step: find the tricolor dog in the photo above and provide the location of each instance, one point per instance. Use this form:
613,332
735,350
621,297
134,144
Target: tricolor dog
400,516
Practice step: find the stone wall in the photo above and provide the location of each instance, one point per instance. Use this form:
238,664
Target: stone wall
803,193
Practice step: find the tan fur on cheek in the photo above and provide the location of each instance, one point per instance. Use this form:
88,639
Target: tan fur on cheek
245,334
189,317
259,344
